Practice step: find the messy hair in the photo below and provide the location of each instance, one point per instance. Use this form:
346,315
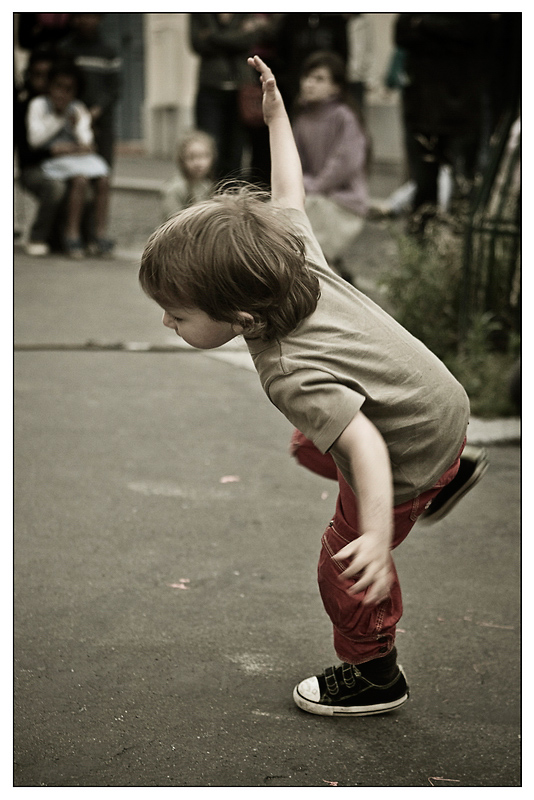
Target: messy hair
235,252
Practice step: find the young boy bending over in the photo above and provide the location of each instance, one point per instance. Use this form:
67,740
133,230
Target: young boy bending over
372,407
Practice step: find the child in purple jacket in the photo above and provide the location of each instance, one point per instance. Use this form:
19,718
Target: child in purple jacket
333,151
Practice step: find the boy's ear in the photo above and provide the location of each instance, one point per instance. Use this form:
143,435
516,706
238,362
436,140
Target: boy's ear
244,319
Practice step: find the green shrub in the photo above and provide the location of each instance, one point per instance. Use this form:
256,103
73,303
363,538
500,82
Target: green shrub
424,294
483,372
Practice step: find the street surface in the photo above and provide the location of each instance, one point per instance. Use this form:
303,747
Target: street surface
165,556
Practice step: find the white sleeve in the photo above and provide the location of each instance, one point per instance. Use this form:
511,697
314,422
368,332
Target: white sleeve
41,124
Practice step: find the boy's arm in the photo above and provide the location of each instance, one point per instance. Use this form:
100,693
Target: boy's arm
287,188
363,446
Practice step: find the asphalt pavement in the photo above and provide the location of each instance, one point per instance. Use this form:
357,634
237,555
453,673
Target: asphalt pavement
165,558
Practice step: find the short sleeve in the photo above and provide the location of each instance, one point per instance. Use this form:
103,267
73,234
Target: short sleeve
316,403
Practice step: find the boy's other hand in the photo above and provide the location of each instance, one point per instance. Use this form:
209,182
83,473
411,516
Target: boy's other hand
371,561
273,105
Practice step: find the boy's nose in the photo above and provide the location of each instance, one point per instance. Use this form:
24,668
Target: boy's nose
168,321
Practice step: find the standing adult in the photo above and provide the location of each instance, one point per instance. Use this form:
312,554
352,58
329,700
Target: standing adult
360,50
442,101
503,65
223,42
100,65
257,131
38,31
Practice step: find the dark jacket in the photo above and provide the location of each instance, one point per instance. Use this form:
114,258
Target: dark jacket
300,35
444,60
223,49
100,66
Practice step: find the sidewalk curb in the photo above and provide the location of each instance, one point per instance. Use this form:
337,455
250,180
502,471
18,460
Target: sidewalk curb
125,184
494,431
481,432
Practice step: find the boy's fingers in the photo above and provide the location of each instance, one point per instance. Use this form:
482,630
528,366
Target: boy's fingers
262,67
358,564
257,62
348,551
374,600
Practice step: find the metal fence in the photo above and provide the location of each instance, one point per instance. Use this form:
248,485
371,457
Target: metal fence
491,251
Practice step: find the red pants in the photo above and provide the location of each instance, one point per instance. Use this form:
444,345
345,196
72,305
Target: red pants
361,632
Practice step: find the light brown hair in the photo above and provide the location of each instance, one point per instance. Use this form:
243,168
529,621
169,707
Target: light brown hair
195,136
235,252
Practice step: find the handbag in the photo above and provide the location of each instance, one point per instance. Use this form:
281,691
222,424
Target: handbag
250,105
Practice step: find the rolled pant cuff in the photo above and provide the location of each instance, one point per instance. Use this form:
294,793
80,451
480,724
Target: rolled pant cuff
363,650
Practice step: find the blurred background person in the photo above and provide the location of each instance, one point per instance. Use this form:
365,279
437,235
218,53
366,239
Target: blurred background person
333,150
100,66
223,42
300,35
442,99
42,31
250,101
48,192
59,121
503,72
193,182
359,58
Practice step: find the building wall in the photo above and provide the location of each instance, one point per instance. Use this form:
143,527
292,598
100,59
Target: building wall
170,84
384,118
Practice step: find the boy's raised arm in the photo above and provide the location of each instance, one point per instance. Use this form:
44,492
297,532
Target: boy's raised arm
287,186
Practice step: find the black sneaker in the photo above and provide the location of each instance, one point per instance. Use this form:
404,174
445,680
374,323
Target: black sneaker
343,691
473,464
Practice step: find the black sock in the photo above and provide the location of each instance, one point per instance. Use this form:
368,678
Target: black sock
380,670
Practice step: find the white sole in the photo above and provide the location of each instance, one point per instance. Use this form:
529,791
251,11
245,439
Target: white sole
344,711
341,711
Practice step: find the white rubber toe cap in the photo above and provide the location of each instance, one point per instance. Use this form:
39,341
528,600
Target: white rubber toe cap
309,689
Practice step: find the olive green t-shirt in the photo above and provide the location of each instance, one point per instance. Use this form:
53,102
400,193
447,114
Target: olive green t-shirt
349,354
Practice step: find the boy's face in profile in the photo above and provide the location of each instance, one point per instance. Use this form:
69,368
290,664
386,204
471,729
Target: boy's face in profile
198,329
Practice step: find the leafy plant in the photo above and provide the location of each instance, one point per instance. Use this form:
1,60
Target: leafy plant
424,293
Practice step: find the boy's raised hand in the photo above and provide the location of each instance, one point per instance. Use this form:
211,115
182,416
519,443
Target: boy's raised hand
287,187
273,105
